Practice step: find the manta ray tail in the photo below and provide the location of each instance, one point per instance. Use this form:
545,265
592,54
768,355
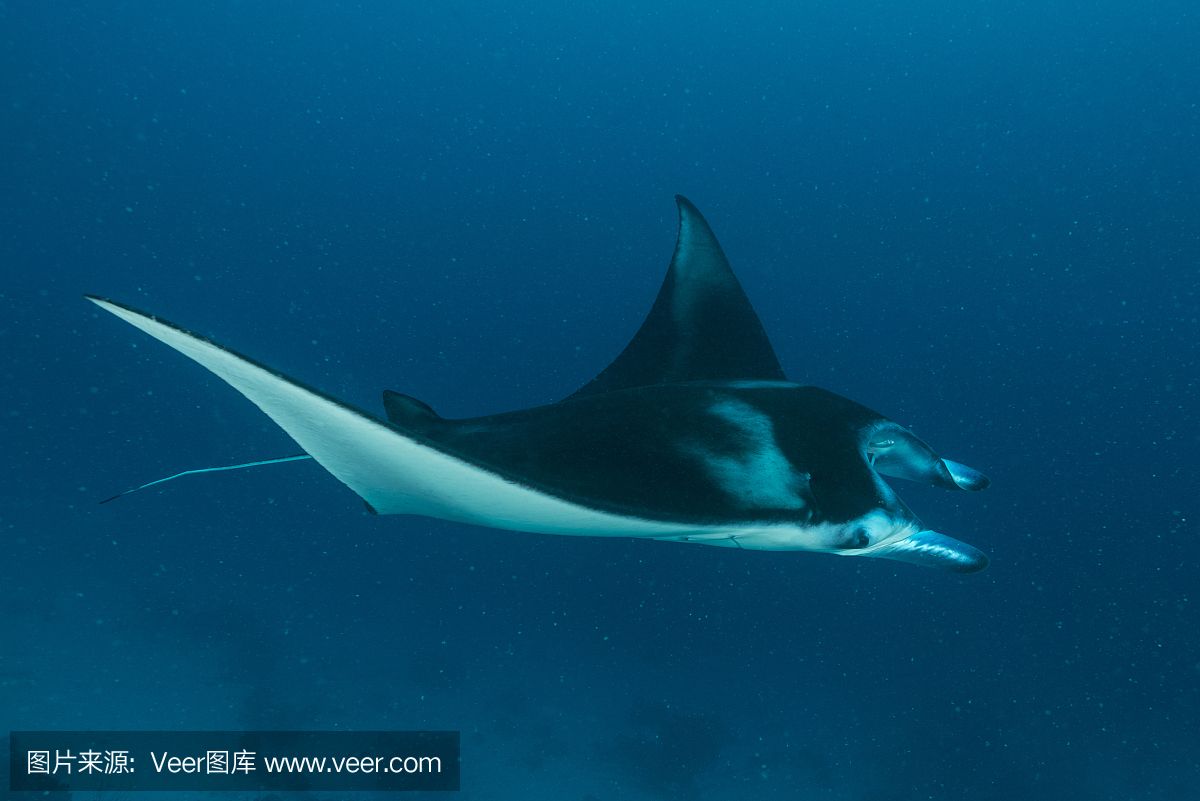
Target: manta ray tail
243,465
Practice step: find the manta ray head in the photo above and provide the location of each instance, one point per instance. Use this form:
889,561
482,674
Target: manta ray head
890,530
848,459
893,450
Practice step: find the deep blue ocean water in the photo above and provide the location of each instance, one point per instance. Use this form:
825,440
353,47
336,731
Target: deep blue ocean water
979,218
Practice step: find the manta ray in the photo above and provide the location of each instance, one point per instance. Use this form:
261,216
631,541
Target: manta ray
693,435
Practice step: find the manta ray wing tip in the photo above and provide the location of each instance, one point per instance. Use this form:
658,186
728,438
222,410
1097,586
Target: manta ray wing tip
105,303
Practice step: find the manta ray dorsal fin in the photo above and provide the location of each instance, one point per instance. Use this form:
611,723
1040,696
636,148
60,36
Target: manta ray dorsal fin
701,327
404,410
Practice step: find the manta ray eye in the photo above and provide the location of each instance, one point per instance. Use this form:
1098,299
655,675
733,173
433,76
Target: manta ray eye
858,538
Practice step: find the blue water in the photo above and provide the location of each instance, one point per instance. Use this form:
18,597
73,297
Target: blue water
980,218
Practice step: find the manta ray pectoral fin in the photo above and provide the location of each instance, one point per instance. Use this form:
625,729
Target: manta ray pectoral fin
382,465
932,549
896,452
701,327
395,467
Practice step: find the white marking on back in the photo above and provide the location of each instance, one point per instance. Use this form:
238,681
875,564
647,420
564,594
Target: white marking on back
760,476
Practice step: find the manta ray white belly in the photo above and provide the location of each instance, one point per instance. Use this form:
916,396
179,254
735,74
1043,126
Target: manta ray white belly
396,474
